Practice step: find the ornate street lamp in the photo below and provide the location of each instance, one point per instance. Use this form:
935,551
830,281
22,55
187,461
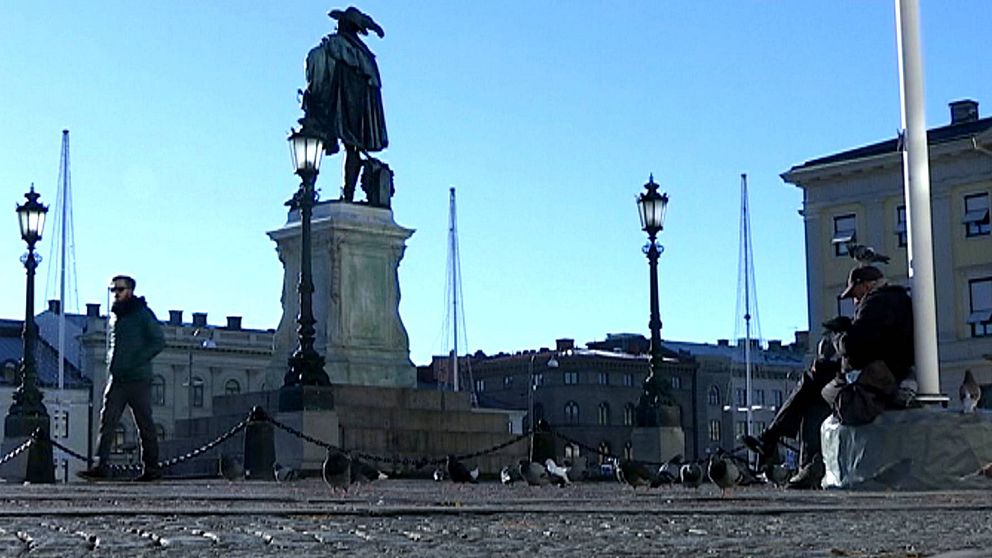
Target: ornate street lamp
27,413
657,389
306,366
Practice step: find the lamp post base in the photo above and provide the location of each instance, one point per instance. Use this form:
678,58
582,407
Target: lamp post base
305,398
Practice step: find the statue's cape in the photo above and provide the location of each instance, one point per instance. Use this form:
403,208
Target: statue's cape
343,49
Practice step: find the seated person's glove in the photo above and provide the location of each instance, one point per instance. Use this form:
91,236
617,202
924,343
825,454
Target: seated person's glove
827,348
840,324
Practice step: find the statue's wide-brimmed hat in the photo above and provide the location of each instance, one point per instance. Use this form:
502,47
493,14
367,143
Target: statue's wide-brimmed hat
362,21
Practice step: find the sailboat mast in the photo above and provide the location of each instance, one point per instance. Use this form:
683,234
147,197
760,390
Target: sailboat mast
746,239
453,247
64,196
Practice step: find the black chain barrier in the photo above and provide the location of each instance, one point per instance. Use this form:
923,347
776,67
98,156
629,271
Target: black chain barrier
732,453
17,451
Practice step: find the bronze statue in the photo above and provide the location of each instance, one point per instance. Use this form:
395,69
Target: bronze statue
343,101
655,406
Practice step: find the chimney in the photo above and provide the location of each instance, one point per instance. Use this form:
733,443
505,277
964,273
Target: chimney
55,306
562,345
234,322
92,310
723,342
199,319
963,111
175,317
774,345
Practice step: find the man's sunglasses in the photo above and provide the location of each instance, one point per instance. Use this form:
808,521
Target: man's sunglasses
118,289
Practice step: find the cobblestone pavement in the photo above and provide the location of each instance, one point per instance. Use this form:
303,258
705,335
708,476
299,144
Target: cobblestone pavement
423,518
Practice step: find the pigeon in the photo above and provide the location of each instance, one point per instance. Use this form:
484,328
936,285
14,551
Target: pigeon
362,472
505,476
438,475
691,475
865,255
283,473
668,473
557,473
969,392
778,474
633,473
723,472
534,473
231,468
337,469
459,473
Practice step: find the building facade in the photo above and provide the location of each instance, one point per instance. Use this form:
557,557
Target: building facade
858,195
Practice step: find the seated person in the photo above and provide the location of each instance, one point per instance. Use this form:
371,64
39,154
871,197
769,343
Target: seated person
876,354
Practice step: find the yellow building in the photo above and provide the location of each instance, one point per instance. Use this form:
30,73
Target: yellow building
858,195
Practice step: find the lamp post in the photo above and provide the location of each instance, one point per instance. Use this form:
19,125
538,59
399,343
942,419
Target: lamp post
552,363
652,207
306,366
27,413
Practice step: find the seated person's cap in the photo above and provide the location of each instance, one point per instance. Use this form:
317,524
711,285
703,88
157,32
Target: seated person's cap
860,275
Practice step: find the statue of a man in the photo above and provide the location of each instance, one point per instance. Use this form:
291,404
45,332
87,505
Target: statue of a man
343,101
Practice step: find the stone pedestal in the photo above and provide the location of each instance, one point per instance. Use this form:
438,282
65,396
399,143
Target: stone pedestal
917,449
657,443
356,255
296,453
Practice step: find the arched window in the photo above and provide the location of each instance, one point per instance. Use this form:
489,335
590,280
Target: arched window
158,390
159,432
628,451
10,372
571,452
572,412
120,438
713,397
603,414
232,387
604,452
196,391
628,414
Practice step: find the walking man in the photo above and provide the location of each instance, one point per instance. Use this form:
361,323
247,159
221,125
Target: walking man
135,338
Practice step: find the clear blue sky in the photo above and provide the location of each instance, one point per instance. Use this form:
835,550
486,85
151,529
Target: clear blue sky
546,116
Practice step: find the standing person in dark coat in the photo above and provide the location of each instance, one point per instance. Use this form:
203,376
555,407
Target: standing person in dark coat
343,99
135,338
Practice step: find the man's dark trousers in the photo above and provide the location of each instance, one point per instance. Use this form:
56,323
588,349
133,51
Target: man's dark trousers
138,396
804,411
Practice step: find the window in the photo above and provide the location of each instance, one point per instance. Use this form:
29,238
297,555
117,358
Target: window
197,391
538,412
759,427
901,225
777,398
232,387
604,452
571,452
980,318
628,451
740,396
602,378
571,378
714,430
507,381
713,397
676,382
60,423
740,429
480,385
158,390
10,372
844,232
759,397
628,380
120,438
572,412
159,432
628,414
603,414
538,379
976,215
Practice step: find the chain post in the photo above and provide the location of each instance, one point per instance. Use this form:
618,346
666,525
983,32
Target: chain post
260,446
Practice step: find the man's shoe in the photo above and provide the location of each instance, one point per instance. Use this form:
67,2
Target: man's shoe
150,475
809,476
766,450
94,475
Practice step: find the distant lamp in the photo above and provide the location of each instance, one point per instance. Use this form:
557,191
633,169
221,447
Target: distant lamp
652,206
31,216
307,152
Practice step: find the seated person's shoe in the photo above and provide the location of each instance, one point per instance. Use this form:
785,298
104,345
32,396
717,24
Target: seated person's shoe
94,474
809,476
766,450
150,475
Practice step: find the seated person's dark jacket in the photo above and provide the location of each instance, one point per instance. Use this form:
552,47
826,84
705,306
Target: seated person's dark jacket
882,329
